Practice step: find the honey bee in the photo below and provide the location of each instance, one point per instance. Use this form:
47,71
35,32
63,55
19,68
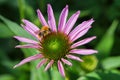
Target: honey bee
45,30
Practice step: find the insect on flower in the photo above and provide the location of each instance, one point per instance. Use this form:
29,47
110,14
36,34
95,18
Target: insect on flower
56,44
44,31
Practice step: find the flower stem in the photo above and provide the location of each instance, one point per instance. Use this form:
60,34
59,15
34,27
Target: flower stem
21,8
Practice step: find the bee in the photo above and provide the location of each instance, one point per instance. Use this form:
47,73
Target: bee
45,30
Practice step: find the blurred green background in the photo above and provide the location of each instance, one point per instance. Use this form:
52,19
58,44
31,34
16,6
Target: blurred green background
103,66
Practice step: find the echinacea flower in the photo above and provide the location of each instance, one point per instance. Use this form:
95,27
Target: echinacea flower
58,46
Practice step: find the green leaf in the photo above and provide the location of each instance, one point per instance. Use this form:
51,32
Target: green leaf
56,75
15,28
105,45
82,78
109,75
6,33
21,4
29,11
111,62
6,77
101,75
90,76
33,74
94,76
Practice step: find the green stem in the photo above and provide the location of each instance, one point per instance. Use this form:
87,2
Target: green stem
21,8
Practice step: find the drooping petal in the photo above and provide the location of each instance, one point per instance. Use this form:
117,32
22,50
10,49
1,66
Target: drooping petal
82,42
49,65
28,46
70,23
30,31
74,58
80,27
66,62
51,18
83,51
22,39
41,63
80,34
30,25
61,69
41,18
31,58
62,19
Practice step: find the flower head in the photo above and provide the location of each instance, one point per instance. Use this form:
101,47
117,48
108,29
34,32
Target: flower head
56,44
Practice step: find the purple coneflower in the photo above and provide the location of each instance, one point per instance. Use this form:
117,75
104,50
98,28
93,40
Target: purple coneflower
58,46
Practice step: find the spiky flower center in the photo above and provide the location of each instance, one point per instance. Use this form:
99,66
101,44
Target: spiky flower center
55,45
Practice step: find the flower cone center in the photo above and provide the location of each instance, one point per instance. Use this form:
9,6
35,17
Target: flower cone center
55,46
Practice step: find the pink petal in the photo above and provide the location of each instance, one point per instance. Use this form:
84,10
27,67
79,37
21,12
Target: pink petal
41,18
82,42
83,51
28,46
70,23
31,25
80,34
30,31
31,58
41,63
62,19
66,62
22,39
80,28
74,58
77,29
51,18
49,65
61,69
